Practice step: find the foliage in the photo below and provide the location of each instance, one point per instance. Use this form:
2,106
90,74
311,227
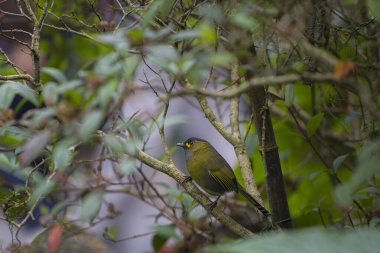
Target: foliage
318,62
307,240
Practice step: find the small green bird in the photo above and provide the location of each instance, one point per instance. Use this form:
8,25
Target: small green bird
211,172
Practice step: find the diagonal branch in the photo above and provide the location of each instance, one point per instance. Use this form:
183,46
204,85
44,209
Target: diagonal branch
266,80
172,171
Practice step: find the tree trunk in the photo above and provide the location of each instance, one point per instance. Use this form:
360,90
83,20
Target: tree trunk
269,151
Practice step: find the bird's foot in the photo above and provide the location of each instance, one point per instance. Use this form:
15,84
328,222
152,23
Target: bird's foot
214,203
186,179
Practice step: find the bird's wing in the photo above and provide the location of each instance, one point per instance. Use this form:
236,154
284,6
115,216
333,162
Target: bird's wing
228,182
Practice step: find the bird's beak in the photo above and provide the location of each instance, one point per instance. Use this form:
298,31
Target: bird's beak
180,144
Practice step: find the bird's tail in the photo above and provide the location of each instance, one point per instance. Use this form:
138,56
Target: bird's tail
253,201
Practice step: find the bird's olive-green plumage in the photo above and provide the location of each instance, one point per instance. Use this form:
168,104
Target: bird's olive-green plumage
211,172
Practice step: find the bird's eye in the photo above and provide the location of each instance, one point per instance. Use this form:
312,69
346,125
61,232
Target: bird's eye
189,143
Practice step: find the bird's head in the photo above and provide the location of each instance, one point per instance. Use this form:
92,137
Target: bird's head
193,144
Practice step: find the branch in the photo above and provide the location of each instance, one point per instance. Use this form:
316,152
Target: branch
213,119
172,171
17,77
260,81
239,146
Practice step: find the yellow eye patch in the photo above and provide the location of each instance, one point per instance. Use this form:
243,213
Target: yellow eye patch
187,145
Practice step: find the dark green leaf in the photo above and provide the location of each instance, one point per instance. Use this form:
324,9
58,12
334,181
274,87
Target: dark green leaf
158,241
313,123
158,7
374,7
289,94
338,161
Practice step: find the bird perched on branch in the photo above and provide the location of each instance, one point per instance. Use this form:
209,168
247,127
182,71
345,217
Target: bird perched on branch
211,172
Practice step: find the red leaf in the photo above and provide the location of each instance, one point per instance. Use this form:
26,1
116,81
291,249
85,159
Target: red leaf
343,68
54,238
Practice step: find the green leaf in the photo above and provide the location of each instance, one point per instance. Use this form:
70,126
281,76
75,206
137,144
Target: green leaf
41,116
289,94
108,65
158,241
127,167
374,7
164,64
90,124
313,240
339,161
115,144
185,35
161,7
176,119
50,93
5,163
207,32
5,194
223,59
132,63
44,209
92,203
55,73
11,139
111,232
71,85
313,123
367,167
245,20
186,200
133,125
212,12
6,95
42,190
166,230
106,93
23,90
62,155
